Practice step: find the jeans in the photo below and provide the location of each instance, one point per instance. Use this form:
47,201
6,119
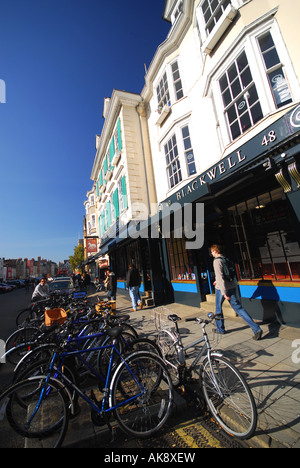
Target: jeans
134,296
111,295
237,307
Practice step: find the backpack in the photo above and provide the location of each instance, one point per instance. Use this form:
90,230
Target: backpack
229,269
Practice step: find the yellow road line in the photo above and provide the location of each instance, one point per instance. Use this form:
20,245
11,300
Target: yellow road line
191,442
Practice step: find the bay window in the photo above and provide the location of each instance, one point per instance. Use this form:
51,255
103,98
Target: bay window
253,83
274,70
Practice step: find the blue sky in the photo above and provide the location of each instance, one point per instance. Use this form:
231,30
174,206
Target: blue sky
59,59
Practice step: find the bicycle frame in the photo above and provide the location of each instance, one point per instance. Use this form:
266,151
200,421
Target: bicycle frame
41,345
106,403
204,351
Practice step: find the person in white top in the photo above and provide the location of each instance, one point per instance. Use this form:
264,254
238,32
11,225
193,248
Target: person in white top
41,290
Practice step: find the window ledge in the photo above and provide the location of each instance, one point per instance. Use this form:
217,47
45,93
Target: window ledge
218,31
116,159
108,175
163,114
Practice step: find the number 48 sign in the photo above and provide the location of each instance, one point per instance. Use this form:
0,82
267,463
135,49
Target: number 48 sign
269,138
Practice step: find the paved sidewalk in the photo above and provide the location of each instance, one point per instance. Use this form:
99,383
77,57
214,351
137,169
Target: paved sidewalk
269,365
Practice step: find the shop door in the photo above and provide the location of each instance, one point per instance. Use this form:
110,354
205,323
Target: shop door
161,291
215,233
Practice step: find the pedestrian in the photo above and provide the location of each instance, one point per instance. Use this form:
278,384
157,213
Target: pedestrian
86,282
78,279
111,286
41,291
226,287
105,282
133,286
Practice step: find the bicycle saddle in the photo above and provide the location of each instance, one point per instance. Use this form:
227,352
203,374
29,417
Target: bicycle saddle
116,331
174,318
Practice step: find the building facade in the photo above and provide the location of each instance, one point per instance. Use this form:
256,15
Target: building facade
222,101
124,188
213,138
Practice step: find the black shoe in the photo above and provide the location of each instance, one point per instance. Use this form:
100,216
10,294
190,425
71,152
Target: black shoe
257,335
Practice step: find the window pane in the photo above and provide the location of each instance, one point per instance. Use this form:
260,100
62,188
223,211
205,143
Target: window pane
256,113
242,61
187,143
246,77
280,88
214,5
245,122
252,95
192,168
235,130
231,114
185,132
271,58
266,42
227,98
223,83
241,105
236,88
232,73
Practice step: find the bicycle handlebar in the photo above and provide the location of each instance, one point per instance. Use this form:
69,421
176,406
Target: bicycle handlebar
210,318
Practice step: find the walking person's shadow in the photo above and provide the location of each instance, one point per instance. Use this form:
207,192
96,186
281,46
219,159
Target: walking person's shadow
270,302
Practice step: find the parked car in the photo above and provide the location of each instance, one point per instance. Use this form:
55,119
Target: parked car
17,283
6,288
61,286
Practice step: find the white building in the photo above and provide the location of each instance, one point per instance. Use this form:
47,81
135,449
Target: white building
222,96
217,122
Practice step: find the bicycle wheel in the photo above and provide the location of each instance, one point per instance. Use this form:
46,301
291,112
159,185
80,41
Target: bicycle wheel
145,406
130,330
166,344
38,411
37,354
22,336
143,344
29,315
14,355
229,397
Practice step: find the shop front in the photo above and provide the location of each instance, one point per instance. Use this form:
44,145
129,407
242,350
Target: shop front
251,199
139,249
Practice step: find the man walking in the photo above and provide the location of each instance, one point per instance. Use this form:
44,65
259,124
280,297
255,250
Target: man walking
133,286
226,289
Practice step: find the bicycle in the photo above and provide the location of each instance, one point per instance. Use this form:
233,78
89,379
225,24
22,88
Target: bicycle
225,390
127,341
137,389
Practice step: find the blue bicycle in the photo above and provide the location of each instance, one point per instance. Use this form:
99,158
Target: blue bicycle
137,390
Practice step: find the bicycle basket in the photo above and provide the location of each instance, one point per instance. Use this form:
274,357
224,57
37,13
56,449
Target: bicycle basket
215,337
160,318
103,306
53,316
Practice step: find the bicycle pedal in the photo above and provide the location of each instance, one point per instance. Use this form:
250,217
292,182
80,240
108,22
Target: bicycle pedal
99,419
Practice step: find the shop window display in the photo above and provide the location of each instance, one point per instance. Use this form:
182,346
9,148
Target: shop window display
266,245
180,260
